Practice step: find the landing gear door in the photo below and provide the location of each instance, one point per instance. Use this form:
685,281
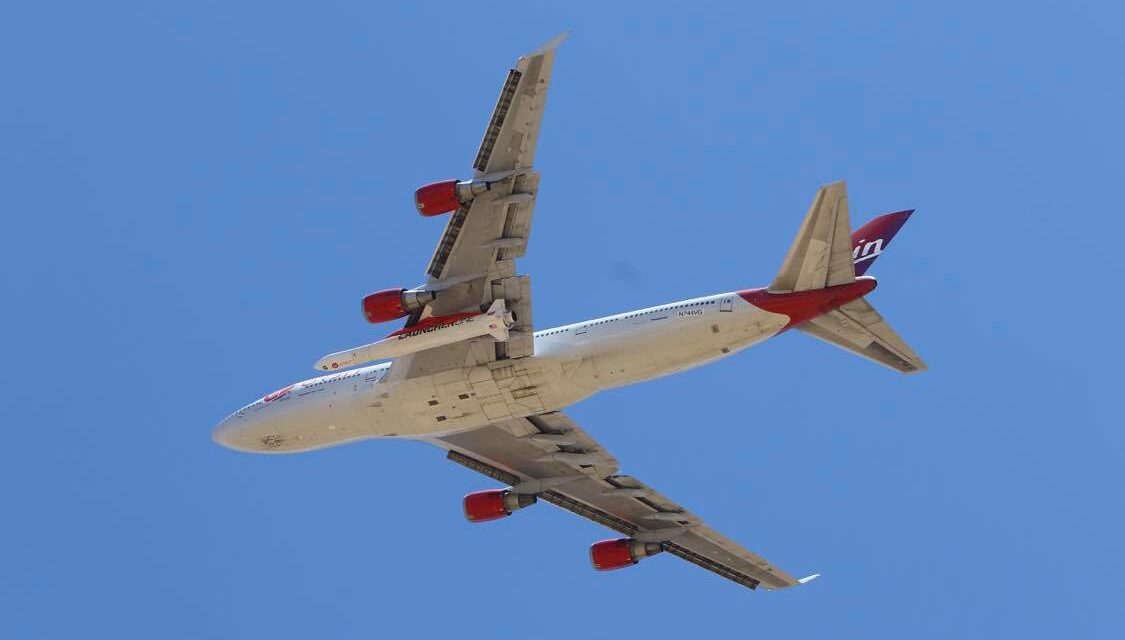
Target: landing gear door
726,304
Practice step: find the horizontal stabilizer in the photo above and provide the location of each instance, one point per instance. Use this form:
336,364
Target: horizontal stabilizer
858,327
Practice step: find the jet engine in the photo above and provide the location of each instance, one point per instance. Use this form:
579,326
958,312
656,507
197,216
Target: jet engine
623,552
448,195
482,506
389,304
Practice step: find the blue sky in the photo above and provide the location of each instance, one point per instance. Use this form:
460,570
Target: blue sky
196,196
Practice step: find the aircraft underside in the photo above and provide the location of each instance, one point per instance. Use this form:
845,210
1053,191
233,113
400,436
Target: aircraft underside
571,363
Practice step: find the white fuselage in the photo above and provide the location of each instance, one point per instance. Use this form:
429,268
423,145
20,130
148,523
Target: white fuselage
570,363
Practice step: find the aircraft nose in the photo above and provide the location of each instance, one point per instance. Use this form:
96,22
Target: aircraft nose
263,426
222,432
230,433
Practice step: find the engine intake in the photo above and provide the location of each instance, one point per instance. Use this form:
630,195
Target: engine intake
623,552
493,504
389,304
437,198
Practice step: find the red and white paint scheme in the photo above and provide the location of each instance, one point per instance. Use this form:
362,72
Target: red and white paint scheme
470,374
435,331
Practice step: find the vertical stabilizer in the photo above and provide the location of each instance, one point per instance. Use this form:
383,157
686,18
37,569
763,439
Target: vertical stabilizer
821,255
870,240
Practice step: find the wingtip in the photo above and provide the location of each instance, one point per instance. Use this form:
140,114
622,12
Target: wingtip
551,44
808,578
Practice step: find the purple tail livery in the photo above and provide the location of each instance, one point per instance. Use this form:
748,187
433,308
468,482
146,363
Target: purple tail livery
870,240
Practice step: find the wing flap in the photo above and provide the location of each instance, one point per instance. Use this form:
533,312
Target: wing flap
513,130
499,117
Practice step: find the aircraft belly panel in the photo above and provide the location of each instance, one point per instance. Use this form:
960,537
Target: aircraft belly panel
469,397
680,344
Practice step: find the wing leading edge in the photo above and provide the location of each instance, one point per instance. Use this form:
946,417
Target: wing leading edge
551,456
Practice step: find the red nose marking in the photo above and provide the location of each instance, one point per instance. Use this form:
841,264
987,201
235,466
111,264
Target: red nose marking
280,393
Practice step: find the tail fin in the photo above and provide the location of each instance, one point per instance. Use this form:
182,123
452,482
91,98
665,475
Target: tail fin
821,255
870,240
824,255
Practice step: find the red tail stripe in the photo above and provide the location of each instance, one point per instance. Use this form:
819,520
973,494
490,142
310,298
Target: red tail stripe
873,238
801,306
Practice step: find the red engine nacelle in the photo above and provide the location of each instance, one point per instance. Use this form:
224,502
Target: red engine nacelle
437,198
389,304
623,552
482,506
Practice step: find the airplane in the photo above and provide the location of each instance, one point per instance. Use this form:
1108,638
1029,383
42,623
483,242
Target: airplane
470,373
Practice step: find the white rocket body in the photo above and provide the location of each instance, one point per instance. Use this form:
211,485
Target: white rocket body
425,335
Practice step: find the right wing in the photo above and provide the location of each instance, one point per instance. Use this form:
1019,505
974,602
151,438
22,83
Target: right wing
474,262
551,456
471,242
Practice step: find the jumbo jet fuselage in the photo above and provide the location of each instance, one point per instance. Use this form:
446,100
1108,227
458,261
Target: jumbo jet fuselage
569,363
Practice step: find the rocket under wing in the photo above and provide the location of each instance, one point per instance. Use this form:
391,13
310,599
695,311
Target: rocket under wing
431,332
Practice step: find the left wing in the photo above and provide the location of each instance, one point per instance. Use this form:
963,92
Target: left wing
474,261
550,456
